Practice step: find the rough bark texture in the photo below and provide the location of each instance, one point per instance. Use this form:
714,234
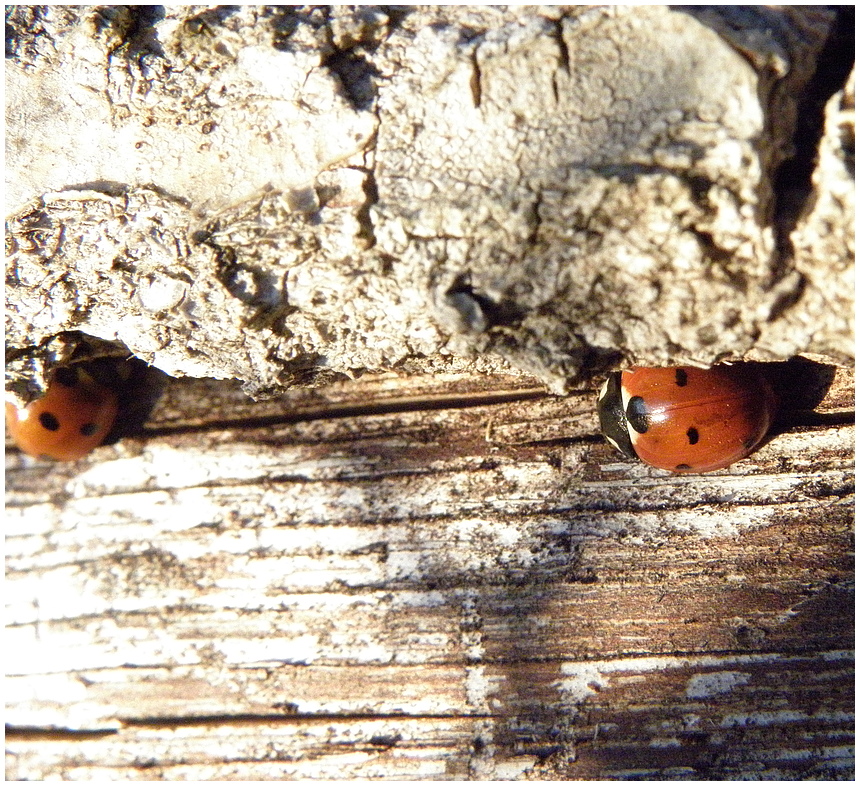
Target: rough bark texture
439,575
267,194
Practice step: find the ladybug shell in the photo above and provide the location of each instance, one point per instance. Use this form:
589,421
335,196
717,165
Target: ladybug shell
73,417
687,419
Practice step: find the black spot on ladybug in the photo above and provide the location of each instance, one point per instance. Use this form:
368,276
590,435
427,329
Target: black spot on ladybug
88,429
724,412
49,421
67,377
637,414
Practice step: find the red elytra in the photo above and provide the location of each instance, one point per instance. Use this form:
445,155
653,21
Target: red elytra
71,419
687,419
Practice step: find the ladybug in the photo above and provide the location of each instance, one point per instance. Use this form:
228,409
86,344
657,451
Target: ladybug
73,417
686,419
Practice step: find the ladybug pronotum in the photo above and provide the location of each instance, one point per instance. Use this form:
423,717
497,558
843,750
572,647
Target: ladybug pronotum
686,419
73,417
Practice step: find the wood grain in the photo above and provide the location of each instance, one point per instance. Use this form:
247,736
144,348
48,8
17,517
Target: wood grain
428,578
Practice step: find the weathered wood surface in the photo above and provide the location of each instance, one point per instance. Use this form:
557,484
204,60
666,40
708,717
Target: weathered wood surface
443,576
427,578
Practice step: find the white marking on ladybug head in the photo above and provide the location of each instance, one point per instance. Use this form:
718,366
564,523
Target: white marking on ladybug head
613,443
604,389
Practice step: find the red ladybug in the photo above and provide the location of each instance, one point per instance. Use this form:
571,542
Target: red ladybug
686,419
73,417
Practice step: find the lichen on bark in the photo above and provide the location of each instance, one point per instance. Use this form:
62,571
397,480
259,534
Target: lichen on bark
279,194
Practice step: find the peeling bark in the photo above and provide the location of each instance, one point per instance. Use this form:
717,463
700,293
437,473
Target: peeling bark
267,194
440,575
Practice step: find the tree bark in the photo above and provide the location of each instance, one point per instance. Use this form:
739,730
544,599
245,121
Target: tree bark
273,194
438,570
